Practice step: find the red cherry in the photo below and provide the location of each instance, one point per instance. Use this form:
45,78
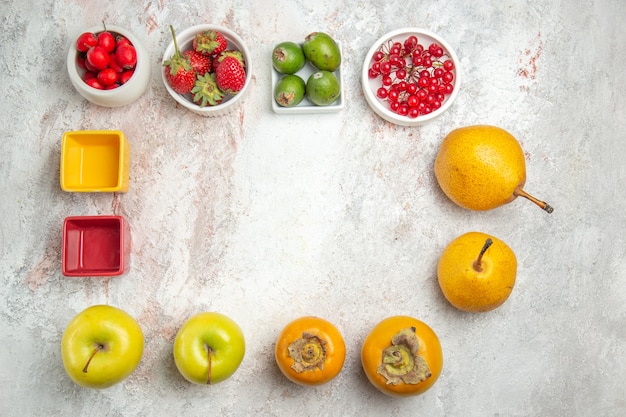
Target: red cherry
90,67
98,57
85,41
88,75
107,41
111,87
108,76
80,61
113,63
121,40
93,82
126,56
126,75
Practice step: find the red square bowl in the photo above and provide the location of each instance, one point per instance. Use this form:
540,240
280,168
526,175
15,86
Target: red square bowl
95,246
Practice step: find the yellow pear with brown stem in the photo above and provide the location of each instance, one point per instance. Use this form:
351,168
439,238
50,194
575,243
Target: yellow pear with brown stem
476,272
482,167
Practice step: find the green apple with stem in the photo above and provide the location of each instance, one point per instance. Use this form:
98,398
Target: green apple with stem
208,348
101,346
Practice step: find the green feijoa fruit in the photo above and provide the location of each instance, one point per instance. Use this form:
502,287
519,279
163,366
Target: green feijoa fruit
323,88
288,58
289,91
322,51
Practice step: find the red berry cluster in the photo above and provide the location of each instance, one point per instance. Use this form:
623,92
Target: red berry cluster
415,80
108,60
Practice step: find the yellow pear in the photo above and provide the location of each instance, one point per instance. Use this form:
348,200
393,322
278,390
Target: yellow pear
482,167
476,272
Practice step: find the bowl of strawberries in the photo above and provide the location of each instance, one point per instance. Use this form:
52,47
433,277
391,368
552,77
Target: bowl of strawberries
108,66
206,69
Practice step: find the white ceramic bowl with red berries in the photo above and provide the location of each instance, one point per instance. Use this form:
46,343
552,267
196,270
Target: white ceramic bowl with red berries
127,88
230,101
410,76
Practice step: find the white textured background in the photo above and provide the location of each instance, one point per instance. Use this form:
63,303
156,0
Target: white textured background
266,218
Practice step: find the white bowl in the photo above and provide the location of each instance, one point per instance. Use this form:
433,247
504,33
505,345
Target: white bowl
124,94
185,41
370,86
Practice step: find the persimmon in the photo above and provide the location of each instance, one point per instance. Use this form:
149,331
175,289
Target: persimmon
402,356
310,351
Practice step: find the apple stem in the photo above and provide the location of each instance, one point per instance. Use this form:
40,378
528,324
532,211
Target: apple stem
477,265
519,192
209,354
97,349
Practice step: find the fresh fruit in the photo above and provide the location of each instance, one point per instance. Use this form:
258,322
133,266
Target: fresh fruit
482,167
230,75
106,40
209,42
208,348
205,91
229,52
108,76
126,76
323,88
113,63
98,57
288,58
200,63
178,70
101,346
103,54
126,56
476,272
322,51
289,91
85,41
414,80
402,356
310,351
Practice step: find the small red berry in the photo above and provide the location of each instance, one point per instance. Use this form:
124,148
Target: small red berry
80,61
108,76
98,57
85,41
126,56
107,41
93,82
126,75
113,63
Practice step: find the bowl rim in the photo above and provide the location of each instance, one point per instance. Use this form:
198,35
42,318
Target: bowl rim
77,79
232,37
387,114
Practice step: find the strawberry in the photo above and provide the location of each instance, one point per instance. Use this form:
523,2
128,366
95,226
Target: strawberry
230,75
201,64
178,70
209,42
228,52
205,91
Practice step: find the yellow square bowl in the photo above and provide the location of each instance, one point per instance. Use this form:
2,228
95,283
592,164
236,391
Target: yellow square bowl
95,161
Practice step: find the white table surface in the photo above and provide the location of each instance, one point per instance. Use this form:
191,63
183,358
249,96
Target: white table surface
268,217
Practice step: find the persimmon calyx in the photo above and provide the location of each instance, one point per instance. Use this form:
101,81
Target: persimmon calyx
308,353
401,363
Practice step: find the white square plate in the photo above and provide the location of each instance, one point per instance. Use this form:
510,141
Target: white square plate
305,106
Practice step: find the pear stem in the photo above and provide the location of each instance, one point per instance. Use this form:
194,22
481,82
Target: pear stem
519,192
210,355
97,349
477,262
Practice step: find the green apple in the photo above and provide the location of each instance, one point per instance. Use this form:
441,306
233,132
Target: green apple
101,346
209,347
